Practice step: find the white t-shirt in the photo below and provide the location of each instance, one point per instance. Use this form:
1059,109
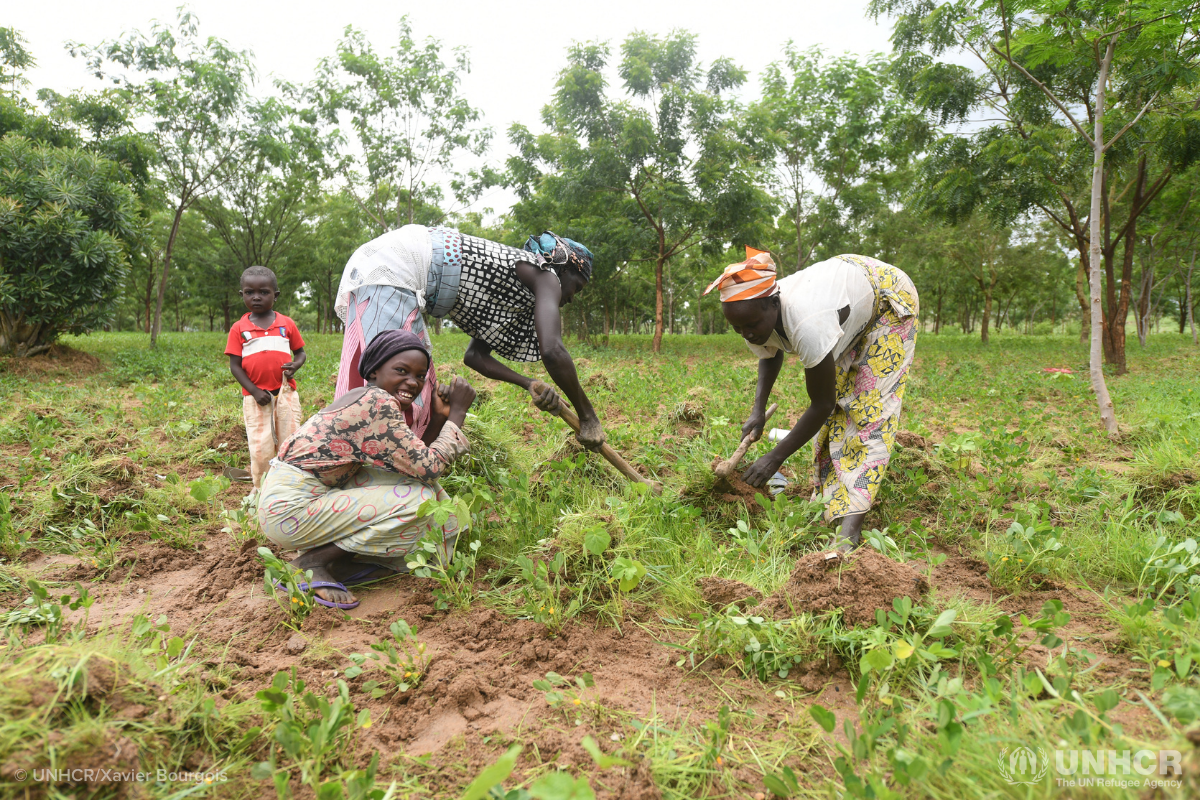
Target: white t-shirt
809,301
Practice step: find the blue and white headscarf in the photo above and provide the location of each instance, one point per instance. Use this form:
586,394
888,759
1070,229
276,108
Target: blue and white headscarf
558,251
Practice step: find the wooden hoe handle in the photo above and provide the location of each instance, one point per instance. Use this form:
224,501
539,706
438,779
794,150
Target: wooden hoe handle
610,455
725,468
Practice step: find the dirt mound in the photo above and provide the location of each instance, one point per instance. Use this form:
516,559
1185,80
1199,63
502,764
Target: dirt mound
153,558
689,411
59,361
227,571
913,440
601,379
965,576
722,592
232,439
733,489
1160,486
858,584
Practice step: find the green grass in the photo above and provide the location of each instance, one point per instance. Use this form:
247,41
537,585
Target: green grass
1008,444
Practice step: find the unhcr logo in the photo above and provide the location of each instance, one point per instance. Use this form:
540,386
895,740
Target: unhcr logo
1023,765
1130,769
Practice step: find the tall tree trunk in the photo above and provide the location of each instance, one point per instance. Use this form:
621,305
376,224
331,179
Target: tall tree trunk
1096,355
149,290
162,283
658,301
1191,309
1118,317
987,309
937,316
1145,288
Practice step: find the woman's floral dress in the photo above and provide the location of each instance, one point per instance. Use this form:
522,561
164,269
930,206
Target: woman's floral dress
357,476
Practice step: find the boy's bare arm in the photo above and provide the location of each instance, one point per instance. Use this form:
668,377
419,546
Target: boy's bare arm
298,359
261,396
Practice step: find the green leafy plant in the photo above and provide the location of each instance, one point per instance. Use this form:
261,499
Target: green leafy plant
455,580
900,644
12,539
540,587
40,609
766,649
206,490
565,693
959,450
282,583
1171,567
1029,552
404,667
311,733
885,544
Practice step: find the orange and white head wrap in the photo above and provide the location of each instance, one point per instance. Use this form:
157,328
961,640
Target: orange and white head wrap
747,280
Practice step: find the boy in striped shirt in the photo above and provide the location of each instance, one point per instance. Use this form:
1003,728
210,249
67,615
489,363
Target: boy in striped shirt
264,349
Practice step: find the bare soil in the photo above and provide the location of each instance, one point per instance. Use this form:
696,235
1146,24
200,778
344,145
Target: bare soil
858,584
722,592
59,361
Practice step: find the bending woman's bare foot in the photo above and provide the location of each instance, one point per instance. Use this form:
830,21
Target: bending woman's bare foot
331,564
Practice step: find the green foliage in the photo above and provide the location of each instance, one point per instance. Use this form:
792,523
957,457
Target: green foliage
42,609
404,667
282,583
659,171
311,734
562,691
456,579
1027,552
408,126
66,221
206,490
762,648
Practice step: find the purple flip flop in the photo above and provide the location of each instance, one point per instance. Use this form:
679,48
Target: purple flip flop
305,587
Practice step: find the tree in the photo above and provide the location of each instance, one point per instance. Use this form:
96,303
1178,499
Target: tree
408,126
193,91
66,218
829,126
257,206
1063,79
14,60
338,228
658,172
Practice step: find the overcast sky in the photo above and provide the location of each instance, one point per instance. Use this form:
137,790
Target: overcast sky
516,47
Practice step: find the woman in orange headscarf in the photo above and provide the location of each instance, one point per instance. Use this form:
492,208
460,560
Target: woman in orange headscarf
852,321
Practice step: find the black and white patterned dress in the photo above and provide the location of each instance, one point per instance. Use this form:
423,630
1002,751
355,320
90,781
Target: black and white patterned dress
492,304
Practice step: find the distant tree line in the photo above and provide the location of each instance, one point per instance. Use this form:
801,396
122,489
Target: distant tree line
1034,169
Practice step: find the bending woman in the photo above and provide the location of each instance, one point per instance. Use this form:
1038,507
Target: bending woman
508,300
346,488
853,322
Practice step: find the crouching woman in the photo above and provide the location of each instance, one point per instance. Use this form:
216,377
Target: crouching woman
346,488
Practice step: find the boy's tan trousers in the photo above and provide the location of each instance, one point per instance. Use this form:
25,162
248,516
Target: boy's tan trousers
269,426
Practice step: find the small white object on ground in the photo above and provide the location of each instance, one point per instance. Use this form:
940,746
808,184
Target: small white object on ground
776,434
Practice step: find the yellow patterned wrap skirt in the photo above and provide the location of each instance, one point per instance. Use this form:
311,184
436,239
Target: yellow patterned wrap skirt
853,447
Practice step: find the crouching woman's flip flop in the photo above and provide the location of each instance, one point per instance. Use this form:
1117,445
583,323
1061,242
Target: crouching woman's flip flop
309,587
